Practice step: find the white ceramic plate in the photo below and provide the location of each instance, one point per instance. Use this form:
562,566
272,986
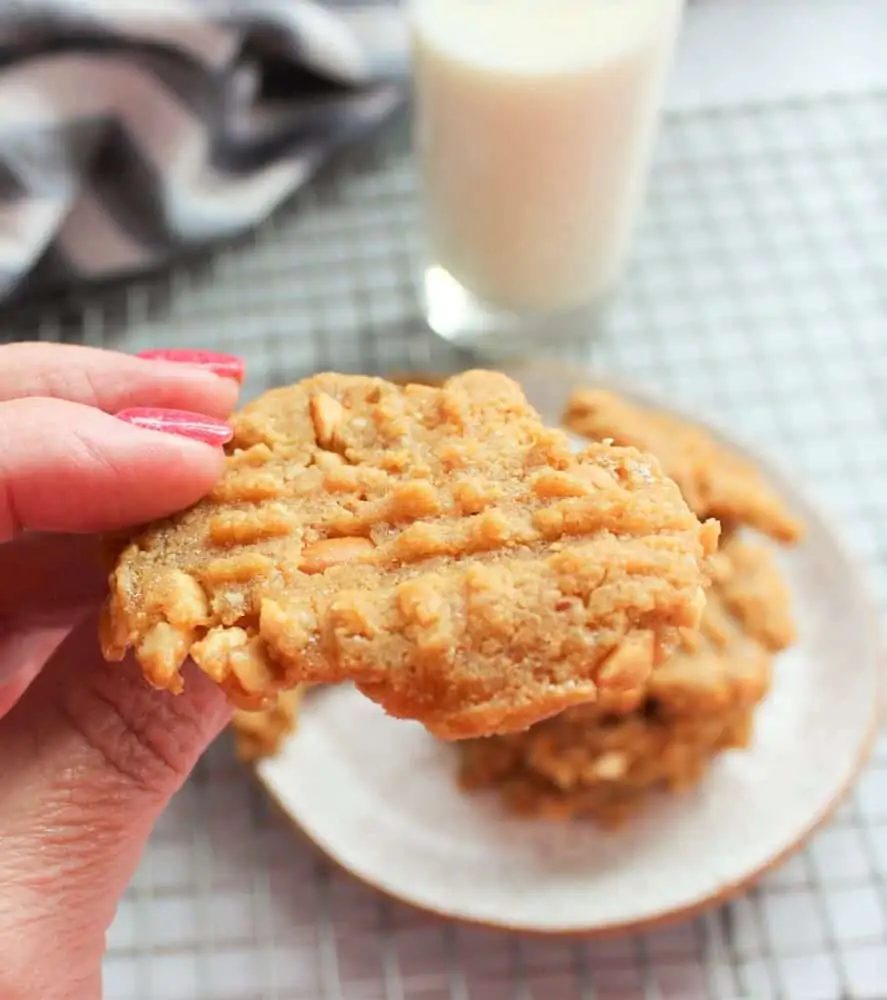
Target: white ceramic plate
379,796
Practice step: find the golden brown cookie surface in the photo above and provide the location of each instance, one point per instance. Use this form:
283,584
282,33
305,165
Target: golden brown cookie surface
404,378
715,481
438,547
262,733
589,761
754,591
605,775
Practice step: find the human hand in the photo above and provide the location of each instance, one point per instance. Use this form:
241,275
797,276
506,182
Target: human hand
91,755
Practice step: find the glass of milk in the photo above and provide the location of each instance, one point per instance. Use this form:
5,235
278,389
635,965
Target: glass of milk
534,121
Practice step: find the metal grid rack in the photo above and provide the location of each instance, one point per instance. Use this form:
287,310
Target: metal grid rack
757,292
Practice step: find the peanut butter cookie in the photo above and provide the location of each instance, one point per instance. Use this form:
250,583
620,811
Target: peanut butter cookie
439,547
262,733
715,481
590,762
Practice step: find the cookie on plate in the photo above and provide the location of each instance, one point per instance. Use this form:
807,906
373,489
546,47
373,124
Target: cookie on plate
262,733
438,547
591,762
715,481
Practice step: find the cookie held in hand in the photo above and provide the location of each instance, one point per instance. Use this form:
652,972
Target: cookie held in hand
438,547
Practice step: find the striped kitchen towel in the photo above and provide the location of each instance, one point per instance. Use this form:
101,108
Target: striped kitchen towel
131,130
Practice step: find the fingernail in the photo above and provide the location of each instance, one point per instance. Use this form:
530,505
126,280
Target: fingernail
190,425
225,365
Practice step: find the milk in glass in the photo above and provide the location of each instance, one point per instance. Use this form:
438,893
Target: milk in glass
534,121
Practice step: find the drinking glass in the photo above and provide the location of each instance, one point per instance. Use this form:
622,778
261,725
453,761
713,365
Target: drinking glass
534,122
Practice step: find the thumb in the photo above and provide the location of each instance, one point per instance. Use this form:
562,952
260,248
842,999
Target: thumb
98,755
69,467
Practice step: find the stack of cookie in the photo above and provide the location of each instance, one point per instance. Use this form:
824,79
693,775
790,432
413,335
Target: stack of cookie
603,760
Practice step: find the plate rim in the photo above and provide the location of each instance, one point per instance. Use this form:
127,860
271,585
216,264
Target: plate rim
723,894
663,919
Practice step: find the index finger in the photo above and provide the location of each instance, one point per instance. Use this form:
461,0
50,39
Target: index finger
112,381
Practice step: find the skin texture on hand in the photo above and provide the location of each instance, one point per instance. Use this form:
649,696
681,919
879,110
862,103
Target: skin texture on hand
98,755
93,755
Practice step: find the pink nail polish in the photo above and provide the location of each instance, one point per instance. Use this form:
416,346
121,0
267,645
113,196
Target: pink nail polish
190,425
225,365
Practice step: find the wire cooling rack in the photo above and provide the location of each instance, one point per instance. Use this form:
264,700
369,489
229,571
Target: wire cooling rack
759,292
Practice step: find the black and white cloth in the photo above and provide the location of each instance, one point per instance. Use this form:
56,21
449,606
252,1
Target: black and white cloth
131,130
